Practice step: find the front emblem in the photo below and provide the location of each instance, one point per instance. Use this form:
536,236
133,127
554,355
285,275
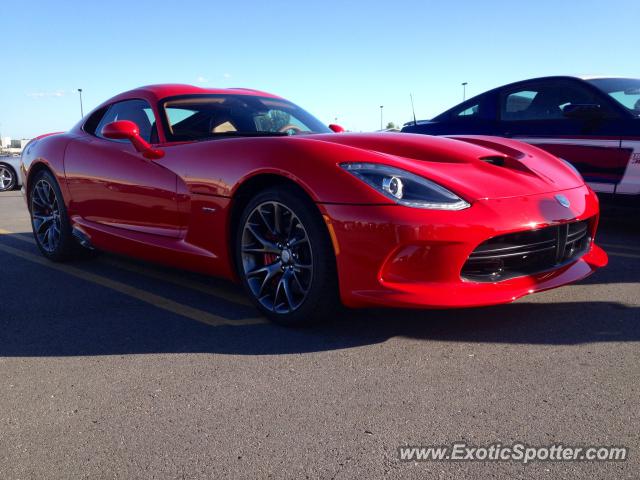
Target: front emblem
564,201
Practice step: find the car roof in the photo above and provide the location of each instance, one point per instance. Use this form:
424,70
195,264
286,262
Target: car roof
580,78
515,84
157,92
535,79
171,89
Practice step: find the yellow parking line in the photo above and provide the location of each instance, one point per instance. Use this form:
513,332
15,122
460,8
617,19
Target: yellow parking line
148,272
17,236
182,282
142,295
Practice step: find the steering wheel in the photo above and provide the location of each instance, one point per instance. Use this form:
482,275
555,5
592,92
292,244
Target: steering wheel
296,129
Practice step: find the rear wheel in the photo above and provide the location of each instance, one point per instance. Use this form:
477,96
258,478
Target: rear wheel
8,178
49,220
285,258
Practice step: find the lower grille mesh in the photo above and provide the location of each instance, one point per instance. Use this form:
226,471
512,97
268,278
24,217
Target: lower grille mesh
526,253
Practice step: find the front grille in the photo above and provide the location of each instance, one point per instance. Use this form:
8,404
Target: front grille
527,253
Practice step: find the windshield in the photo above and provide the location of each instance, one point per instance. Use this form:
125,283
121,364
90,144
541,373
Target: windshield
199,117
626,91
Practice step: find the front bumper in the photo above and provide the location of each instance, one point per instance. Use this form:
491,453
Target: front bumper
395,256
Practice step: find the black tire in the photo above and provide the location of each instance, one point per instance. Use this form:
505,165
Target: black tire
59,245
8,177
302,272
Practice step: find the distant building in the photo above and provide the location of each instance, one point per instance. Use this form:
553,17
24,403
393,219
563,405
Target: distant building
9,145
20,144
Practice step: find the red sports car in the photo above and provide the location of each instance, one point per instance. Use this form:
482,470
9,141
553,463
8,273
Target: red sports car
246,185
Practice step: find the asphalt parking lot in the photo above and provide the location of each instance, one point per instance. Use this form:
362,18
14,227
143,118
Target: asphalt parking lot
111,368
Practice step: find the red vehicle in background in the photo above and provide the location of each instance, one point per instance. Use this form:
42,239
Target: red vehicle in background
245,185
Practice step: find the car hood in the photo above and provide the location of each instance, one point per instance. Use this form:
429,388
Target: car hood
475,167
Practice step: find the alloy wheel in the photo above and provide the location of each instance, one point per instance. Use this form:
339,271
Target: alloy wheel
276,257
45,214
6,178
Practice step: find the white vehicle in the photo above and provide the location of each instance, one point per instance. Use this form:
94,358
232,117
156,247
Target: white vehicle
9,173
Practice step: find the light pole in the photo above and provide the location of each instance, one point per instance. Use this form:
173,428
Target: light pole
81,110
464,90
381,107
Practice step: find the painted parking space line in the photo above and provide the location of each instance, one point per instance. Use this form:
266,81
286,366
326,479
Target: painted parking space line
617,245
181,282
622,254
139,294
17,236
158,275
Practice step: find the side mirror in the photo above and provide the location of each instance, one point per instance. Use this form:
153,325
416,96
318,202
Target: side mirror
336,128
127,130
583,111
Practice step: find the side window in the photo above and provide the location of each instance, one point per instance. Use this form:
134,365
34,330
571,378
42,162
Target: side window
91,125
472,111
481,108
543,102
519,101
137,111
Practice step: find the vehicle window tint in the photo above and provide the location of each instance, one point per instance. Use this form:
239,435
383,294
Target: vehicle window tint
136,111
480,108
204,116
630,99
625,91
519,101
473,111
544,101
91,125
177,114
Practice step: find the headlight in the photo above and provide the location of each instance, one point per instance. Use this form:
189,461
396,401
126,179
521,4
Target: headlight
406,188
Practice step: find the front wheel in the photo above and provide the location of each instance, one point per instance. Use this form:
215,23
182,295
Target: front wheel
285,258
49,219
8,178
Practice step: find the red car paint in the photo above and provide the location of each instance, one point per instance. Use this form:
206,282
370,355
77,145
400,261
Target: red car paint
178,209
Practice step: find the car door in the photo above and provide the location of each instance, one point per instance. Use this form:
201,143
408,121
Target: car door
536,113
111,184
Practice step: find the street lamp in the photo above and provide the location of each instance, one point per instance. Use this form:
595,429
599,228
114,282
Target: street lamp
381,107
464,90
81,110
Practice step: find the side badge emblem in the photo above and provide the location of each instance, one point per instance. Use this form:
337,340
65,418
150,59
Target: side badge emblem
564,201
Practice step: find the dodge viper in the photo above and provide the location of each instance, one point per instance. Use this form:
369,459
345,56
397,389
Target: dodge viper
246,185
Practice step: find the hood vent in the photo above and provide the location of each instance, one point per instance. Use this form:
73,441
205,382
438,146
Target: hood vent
506,161
495,160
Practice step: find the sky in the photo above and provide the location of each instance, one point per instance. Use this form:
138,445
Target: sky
339,60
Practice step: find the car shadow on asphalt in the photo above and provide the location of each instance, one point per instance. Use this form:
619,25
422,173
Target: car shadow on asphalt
162,332
89,329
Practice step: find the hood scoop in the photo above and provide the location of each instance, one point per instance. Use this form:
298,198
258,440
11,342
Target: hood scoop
492,144
497,161
505,161
507,157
